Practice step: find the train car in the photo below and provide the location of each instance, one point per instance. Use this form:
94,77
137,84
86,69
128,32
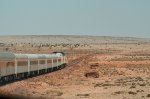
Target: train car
16,66
7,64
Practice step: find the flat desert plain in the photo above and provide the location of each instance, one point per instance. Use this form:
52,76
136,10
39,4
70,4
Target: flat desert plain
98,68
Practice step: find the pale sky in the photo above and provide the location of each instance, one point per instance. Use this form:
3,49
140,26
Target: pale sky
130,18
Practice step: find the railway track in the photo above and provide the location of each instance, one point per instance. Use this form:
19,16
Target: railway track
76,61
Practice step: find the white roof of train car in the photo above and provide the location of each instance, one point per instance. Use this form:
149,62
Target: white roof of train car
11,56
7,56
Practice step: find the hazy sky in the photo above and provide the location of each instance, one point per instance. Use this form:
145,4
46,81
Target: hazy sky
71,17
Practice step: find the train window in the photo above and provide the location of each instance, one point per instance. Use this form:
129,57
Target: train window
33,62
42,62
22,63
54,60
10,64
2,63
49,61
59,60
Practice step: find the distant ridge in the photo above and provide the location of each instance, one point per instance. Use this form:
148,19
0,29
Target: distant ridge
57,39
71,36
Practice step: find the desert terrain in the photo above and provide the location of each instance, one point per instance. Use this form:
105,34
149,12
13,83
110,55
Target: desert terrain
98,68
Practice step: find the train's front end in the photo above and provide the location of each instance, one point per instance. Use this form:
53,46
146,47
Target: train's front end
63,58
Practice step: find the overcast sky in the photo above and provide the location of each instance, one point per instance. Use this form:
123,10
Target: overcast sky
129,18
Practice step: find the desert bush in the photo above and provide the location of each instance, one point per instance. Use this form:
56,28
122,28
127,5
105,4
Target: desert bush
92,74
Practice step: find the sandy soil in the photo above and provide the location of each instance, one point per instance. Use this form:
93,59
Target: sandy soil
112,71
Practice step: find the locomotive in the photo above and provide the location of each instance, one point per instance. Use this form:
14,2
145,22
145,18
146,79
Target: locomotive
15,66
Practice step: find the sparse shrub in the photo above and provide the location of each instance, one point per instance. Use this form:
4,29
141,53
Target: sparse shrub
6,49
148,95
133,86
92,74
83,95
119,92
131,92
54,93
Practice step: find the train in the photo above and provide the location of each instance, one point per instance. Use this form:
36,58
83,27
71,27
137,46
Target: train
14,66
